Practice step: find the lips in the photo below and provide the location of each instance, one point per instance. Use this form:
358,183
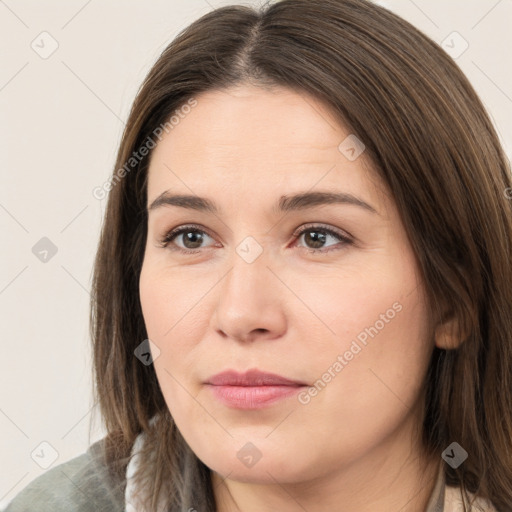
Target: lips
251,390
251,378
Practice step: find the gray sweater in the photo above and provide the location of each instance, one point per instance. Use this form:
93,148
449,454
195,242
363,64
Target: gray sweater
81,484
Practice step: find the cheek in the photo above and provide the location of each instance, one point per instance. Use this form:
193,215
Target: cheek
379,303
173,307
168,310
378,356
155,300
168,300
381,335
374,348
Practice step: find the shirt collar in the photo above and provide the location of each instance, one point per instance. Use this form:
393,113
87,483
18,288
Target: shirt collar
132,499
436,501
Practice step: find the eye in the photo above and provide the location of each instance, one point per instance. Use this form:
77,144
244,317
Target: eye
317,235
193,239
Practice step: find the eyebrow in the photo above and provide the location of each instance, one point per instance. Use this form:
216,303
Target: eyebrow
300,201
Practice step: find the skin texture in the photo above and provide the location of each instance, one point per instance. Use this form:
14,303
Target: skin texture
290,311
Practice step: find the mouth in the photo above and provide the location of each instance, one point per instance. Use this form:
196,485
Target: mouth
253,389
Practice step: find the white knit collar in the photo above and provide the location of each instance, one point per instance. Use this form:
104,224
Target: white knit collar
132,500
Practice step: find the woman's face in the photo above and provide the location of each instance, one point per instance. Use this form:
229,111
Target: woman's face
347,321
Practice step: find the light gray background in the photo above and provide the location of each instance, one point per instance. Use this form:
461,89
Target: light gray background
62,119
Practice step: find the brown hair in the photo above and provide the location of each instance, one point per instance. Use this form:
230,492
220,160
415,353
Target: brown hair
432,142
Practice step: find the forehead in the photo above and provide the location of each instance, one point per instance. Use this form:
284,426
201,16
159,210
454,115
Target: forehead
258,139
245,116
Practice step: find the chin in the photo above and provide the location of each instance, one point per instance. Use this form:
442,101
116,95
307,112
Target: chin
258,474
268,469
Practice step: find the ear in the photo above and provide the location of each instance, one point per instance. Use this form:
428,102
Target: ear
448,334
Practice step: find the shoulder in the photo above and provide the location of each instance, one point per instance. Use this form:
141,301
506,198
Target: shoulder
453,502
81,484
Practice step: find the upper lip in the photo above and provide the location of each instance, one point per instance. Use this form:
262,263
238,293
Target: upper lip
251,378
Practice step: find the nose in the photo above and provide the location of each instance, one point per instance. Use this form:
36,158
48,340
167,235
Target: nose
250,302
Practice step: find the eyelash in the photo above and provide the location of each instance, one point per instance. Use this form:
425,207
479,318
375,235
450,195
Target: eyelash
169,236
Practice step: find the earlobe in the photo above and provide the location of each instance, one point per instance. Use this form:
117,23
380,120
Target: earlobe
448,335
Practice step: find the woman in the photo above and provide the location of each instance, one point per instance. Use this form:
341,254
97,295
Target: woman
303,285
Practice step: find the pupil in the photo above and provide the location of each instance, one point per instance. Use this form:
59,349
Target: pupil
190,238
317,238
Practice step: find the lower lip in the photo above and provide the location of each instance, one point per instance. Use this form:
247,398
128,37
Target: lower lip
252,397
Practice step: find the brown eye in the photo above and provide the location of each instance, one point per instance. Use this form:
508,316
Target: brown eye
315,238
190,237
